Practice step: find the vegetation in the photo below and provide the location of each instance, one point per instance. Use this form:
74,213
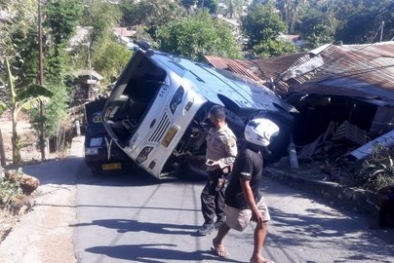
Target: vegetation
316,21
211,5
19,99
111,62
375,172
263,27
234,8
197,35
8,188
61,18
19,76
316,31
188,4
151,15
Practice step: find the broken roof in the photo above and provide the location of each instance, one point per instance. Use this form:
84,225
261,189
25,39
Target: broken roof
86,72
365,72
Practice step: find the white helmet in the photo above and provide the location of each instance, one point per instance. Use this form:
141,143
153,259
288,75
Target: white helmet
260,131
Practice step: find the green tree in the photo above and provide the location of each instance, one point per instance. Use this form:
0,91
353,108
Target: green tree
211,5
234,8
319,36
291,11
151,13
361,21
61,18
130,14
101,17
317,28
111,62
158,13
262,24
188,4
196,36
19,48
273,48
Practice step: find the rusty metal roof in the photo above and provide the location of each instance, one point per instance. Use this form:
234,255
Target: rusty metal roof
264,69
362,71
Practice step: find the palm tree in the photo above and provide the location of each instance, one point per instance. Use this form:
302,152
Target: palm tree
234,8
290,11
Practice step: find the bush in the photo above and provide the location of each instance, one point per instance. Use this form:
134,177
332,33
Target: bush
377,171
8,189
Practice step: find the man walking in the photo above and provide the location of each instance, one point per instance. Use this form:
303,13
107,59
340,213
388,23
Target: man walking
220,155
244,202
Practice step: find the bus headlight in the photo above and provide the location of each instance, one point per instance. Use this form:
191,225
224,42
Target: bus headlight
91,151
143,155
177,99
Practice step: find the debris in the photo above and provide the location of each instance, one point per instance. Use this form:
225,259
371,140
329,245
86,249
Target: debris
386,140
350,132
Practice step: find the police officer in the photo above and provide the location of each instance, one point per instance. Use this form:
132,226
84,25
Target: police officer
220,155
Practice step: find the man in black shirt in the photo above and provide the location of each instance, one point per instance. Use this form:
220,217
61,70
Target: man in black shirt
244,202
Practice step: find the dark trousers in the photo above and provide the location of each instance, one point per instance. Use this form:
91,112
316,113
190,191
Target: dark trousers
386,211
212,199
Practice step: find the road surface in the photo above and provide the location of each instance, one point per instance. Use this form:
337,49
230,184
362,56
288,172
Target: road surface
80,217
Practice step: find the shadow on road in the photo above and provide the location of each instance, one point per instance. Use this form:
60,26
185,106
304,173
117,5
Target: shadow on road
127,225
149,252
155,253
58,171
73,170
128,177
322,225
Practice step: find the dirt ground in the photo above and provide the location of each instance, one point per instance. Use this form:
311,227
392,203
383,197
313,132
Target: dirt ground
29,154
45,219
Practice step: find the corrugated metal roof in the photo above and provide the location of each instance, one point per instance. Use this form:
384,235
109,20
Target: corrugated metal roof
242,67
365,71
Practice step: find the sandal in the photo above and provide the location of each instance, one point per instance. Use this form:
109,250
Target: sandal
264,261
223,253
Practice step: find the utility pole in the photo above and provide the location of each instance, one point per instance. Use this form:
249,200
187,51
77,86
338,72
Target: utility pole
381,31
89,62
41,82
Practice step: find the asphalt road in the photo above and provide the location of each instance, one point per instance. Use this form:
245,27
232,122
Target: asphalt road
132,217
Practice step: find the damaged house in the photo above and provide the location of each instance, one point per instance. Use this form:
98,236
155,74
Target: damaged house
345,96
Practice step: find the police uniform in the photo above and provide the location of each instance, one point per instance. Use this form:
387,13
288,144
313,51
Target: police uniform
220,155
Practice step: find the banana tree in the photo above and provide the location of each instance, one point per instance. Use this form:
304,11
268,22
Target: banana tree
22,99
3,108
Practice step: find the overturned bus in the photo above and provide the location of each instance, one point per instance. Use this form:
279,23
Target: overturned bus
157,110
